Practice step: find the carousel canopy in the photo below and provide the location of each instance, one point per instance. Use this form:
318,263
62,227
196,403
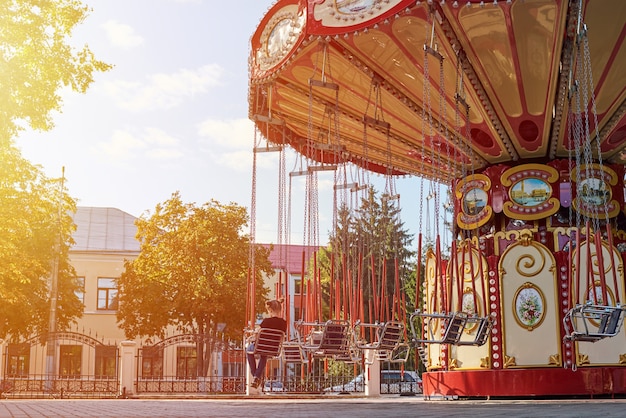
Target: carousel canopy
438,88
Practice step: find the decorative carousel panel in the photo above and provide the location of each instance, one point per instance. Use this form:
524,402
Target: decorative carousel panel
344,13
594,191
434,303
530,191
279,36
472,193
529,305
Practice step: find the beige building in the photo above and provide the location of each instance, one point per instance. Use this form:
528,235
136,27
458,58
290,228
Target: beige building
104,238
95,359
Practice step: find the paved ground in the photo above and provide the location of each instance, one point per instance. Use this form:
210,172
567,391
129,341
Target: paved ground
289,407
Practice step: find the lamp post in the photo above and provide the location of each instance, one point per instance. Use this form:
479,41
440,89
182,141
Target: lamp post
54,290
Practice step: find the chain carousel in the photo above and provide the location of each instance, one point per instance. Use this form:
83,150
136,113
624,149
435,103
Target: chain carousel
509,112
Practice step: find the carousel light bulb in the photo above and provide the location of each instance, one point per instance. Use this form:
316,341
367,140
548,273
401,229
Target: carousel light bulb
455,4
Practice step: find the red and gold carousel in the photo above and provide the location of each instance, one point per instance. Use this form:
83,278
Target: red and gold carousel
516,107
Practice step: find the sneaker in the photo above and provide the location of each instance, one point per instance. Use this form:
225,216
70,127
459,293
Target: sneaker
253,391
256,382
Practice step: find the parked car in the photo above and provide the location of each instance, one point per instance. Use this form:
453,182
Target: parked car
391,381
273,386
396,381
355,385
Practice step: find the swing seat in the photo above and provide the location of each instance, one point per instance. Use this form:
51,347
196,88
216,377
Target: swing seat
332,339
268,342
454,324
353,355
591,323
292,353
400,354
454,329
388,336
485,325
387,344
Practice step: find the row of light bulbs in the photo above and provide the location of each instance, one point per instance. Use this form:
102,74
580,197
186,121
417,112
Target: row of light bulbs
455,3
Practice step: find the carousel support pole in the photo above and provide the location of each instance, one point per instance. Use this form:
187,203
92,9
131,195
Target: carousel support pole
600,259
609,235
371,376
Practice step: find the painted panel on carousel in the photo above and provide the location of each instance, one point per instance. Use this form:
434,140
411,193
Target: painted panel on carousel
594,191
473,194
529,305
280,36
530,191
342,13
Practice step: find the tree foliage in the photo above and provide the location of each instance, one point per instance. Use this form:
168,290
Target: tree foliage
370,239
37,60
191,272
35,236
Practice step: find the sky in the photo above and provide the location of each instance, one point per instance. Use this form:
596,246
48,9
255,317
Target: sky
172,116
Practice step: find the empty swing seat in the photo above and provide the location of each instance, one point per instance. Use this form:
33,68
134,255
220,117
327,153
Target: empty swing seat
591,323
387,343
453,326
332,339
454,329
484,326
292,352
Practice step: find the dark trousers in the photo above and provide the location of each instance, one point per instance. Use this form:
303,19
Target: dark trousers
256,369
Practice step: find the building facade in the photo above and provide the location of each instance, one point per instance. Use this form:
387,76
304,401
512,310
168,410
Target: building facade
95,358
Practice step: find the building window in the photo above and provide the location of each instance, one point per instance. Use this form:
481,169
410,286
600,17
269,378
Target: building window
297,286
106,361
186,363
19,360
151,363
70,360
80,291
107,294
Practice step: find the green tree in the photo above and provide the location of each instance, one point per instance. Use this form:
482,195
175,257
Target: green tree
36,61
35,236
375,232
191,274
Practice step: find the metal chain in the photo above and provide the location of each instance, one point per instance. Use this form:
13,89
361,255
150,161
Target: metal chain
588,72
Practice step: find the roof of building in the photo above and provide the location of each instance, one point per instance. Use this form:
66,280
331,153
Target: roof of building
289,257
104,229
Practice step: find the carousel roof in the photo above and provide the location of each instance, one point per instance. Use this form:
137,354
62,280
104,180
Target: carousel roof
389,85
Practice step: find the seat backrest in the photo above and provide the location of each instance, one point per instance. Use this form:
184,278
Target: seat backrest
335,339
292,353
390,335
269,342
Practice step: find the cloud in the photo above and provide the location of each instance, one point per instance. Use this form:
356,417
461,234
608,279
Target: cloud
163,91
228,142
121,35
152,143
233,133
